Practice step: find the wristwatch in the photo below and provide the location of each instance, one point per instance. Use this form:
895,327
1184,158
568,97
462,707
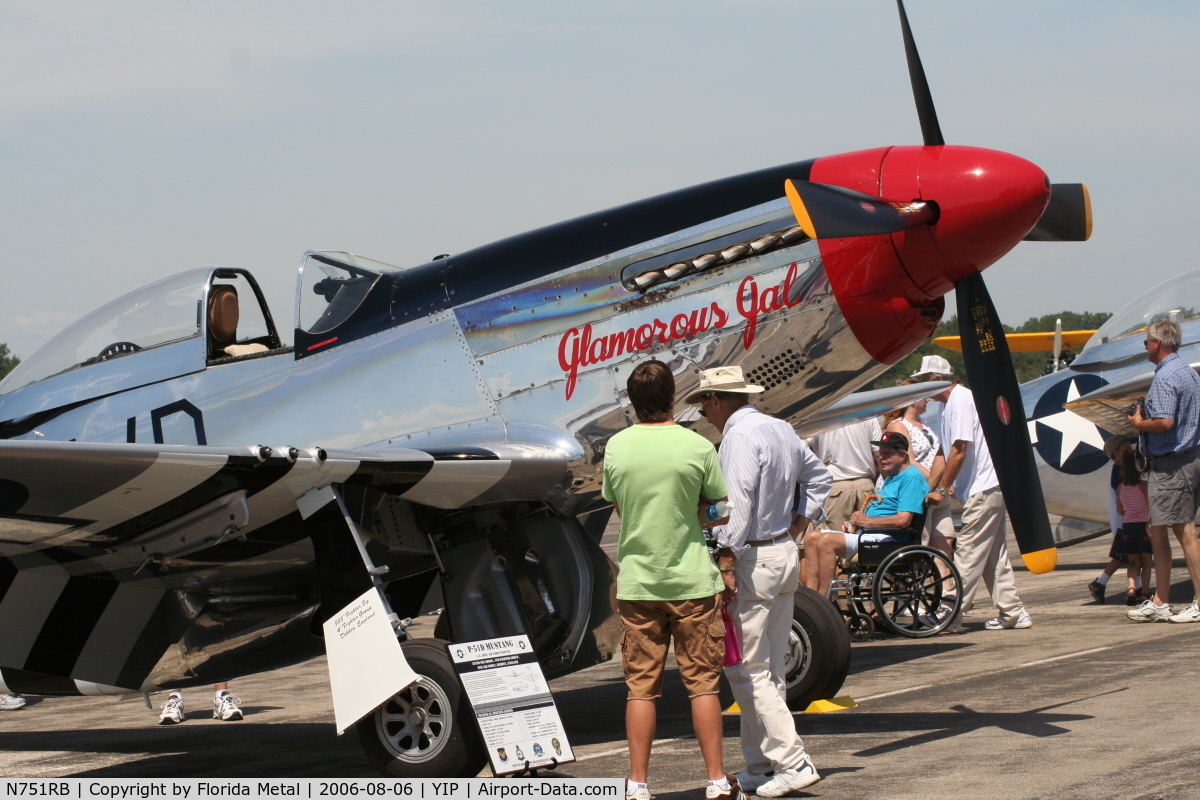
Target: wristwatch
727,567
940,491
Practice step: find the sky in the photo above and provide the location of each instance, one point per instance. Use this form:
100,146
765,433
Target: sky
138,139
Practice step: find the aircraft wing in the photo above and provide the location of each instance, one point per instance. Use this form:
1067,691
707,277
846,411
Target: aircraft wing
1040,342
1109,405
101,545
861,405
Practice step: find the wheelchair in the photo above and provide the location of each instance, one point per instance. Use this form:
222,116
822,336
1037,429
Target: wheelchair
902,587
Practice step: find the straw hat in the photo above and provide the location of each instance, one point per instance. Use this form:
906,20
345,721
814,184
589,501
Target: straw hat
722,379
1113,443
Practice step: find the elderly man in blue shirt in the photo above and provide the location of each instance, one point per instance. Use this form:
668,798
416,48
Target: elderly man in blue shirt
1169,423
773,481
901,498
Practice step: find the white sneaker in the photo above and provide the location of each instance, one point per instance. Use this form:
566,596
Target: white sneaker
1023,620
1189,614
1148,612
172,711
750,781
11,702
641,793
225,707
790,780
933,620
734,792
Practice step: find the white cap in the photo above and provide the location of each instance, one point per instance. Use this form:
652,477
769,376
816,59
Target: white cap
934,365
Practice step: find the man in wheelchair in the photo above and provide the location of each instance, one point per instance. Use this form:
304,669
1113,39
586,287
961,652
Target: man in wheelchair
901,500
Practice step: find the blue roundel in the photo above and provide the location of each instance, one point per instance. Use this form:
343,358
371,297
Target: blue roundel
1064,440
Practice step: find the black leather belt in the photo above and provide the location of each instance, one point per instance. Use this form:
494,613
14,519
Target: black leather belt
778,538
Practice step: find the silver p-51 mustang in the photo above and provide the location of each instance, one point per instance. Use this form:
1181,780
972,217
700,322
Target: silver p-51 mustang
183,496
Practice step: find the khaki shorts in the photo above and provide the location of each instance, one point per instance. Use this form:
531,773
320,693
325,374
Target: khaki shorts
938,521
844,499
1173,487
647,627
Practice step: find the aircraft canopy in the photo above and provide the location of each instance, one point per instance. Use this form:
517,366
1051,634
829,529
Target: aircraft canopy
1177,299
167,310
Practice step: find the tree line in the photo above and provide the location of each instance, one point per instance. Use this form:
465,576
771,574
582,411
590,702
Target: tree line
7,360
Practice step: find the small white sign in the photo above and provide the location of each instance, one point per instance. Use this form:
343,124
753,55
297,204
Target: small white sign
511,700
366,664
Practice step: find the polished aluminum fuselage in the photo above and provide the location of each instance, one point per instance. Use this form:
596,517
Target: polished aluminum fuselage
492,370
542,364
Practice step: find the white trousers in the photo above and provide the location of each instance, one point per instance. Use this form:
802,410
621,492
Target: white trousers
767,577
982,552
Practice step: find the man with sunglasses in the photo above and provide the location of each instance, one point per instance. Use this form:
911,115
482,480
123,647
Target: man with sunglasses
900,500
1169,424
772,479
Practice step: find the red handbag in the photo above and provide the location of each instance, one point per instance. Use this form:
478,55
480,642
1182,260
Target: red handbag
733,648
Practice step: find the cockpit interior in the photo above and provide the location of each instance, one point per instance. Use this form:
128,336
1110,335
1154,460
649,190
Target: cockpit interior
211,316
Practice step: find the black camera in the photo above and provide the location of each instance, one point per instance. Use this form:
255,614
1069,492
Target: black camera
1135,406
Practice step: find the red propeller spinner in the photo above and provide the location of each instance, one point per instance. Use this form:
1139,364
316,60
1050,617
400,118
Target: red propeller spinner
977,205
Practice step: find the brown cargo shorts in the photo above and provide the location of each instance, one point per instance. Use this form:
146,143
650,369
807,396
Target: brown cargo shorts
647,627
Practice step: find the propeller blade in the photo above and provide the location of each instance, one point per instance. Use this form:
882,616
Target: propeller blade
831,212
1058,343
1002,417
931,131
1068,215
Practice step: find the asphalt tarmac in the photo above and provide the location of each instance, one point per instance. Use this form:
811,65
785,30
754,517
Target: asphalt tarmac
1083,705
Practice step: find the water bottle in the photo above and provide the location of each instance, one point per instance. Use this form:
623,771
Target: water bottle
717,510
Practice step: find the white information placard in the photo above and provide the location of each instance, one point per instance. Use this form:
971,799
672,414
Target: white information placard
511,700
366,664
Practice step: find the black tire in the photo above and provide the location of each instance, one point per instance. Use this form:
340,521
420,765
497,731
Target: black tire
861,627
446,743
819,650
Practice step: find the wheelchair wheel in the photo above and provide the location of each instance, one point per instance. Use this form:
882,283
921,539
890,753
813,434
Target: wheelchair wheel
861,627
917,592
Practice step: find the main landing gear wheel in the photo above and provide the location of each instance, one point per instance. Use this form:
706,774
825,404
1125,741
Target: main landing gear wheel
818,656
427,730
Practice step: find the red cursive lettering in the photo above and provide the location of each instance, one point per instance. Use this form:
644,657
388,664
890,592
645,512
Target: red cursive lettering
679,326
578,349
752,304
568,357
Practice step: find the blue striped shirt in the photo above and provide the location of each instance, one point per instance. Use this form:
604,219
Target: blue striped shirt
1174,395
771,475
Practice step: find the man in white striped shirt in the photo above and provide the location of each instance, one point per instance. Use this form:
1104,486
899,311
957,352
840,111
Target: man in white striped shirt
772,478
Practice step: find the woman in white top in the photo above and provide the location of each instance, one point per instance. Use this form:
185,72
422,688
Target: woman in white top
927,455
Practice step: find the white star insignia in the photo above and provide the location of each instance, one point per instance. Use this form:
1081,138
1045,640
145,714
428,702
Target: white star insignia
1074,428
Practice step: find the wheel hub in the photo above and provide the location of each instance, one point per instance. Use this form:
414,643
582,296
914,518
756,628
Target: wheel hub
798,657
415,725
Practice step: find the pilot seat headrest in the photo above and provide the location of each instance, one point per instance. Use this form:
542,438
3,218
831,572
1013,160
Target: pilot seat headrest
223,313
